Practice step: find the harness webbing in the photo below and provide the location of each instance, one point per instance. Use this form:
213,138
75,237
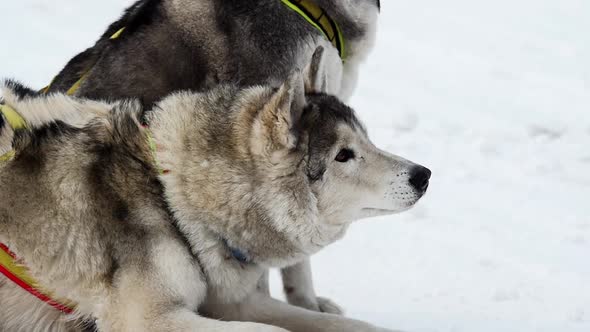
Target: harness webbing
18,274
15,121
318,18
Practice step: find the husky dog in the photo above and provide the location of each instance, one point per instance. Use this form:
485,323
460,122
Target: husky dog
150,221
161,46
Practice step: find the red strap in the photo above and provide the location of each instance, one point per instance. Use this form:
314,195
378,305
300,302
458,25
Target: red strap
5,248
29,288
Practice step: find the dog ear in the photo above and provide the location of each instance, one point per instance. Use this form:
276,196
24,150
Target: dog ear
283,111
316,79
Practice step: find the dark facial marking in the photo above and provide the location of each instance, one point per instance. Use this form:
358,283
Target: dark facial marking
321,118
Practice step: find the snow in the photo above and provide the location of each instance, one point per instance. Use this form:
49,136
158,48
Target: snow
494,97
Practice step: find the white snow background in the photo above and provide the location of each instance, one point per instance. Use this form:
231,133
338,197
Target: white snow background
494,97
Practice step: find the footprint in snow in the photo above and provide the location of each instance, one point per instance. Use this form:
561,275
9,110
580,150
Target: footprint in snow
545,133
579,316
506,296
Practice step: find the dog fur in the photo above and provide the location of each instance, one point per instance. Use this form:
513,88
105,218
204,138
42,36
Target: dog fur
260,169
171,45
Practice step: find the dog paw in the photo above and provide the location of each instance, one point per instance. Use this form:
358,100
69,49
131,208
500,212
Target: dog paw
252,327
319,304
329,306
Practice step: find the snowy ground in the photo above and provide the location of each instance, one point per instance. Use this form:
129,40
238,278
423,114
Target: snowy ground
494,97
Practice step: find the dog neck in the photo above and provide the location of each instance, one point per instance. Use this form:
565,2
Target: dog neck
321,20
211,185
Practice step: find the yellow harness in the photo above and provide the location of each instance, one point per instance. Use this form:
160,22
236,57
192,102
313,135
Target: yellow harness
17,273
15,121
320,20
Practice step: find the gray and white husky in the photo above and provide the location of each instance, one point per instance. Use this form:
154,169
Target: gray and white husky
154,220
162,46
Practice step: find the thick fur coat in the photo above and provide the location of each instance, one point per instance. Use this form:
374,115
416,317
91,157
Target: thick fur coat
86,206
171,45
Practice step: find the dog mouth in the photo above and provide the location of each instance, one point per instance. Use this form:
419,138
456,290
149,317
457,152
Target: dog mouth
378,210
383,211
375,212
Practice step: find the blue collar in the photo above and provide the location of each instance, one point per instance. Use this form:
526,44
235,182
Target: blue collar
238,254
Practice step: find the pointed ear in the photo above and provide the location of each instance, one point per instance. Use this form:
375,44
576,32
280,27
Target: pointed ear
282,112
317,77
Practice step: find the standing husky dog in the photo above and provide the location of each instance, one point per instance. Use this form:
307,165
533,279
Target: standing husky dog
161,46
143,219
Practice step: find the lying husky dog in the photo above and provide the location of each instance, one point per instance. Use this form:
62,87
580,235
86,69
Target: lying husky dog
161,46
143,219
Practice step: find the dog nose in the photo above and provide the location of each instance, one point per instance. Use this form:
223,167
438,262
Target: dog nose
419,178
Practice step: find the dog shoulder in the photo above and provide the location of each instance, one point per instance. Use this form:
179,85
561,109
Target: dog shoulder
39,109
57,115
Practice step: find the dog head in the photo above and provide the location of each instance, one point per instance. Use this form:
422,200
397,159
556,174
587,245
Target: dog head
279,172
349,177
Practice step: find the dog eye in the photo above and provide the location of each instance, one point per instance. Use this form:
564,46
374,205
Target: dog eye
345,155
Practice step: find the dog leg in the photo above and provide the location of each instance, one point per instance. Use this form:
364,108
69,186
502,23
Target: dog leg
180,319
185,320
298,286
20,311
162,294
263,309
263,285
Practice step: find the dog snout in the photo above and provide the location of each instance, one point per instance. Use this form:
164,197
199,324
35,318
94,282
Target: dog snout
420,178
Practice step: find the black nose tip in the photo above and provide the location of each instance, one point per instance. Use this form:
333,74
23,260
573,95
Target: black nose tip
419,178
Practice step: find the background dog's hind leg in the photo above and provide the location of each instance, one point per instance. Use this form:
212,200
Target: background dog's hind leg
298,287
263,285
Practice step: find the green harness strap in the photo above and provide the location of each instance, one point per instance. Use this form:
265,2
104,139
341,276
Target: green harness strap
318,18
15,121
